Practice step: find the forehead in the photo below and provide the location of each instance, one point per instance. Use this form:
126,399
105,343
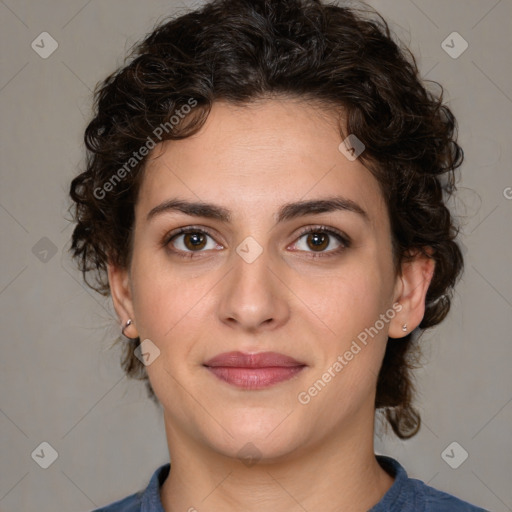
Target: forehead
254,158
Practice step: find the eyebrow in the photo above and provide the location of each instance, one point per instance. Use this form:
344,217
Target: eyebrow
287,212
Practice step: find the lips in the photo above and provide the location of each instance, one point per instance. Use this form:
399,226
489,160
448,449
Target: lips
260,360
253,371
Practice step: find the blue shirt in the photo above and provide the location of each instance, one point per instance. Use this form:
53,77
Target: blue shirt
405,495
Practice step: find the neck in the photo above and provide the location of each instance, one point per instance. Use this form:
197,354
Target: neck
339,473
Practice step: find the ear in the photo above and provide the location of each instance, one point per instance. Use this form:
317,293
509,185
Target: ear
120,289
411,289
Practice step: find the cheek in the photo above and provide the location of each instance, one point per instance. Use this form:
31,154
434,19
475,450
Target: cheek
164,305
160,297
353,353
173,308
352,299
354,349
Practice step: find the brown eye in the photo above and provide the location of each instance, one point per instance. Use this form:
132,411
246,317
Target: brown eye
194,241
322,241
190,240
318,241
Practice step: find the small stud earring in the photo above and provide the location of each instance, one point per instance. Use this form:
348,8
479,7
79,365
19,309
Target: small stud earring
404,327
127,324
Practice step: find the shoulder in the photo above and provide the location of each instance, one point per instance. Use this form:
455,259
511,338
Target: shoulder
439,501
147,500
132,503
412,495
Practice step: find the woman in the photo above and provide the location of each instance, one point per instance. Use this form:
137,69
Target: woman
264,200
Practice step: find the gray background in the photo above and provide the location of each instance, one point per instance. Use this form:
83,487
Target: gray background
61,384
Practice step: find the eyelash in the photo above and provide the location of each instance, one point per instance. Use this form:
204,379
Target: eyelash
338,235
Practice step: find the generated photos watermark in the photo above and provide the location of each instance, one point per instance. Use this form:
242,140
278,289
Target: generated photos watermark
304,397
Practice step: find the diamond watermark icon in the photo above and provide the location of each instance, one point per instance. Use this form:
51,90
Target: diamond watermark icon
249,454
454,455
351,147
147,352
454,45
44,249
249,250
45,455
44,45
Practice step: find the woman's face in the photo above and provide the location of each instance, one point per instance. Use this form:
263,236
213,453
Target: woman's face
254,283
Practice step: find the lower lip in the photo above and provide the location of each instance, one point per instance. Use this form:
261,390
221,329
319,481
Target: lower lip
255,378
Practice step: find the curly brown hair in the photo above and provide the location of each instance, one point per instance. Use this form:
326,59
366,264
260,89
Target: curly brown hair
243,50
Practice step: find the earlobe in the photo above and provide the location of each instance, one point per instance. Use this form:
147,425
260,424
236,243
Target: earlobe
119,281
416,274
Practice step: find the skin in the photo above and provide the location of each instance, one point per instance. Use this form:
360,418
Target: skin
253,159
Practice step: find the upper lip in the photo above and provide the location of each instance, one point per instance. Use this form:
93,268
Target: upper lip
246,360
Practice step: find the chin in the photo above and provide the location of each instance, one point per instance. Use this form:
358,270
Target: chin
250,451
261,436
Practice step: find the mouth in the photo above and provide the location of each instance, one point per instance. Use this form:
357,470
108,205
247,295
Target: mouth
253,371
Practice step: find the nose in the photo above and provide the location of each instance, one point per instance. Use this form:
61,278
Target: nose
253,297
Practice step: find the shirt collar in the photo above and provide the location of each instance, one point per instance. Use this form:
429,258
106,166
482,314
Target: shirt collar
395,497
151,501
